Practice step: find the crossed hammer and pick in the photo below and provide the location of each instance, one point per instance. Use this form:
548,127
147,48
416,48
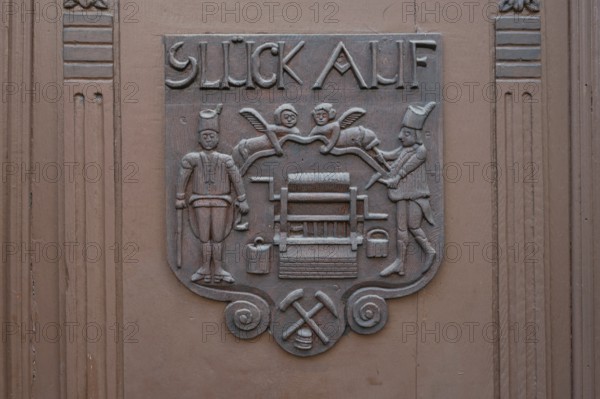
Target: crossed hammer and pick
306,316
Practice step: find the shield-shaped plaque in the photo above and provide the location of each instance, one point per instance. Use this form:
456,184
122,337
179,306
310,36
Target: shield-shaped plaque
303,178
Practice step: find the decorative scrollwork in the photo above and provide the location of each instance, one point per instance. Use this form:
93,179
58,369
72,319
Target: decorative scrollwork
369,314
99,4
245,319
519,5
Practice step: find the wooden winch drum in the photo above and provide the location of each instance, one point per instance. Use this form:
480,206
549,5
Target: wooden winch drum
319,182
377,243
258,257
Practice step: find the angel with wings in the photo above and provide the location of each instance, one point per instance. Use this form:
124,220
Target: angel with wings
285,117
339,133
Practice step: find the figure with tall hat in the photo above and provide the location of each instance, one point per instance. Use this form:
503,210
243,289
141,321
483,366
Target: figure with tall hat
217,191
408,188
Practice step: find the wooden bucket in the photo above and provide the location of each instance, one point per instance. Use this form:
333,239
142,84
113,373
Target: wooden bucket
377,243
258,257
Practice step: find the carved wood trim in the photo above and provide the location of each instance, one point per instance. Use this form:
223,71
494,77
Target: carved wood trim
520,231
519,5
518,47
18,351
585,196
88,45
92,206
99,4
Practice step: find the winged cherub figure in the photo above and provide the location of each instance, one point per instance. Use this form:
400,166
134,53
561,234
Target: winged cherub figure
339,133
285,118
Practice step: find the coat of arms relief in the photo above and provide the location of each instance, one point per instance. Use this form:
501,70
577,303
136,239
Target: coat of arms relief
302,178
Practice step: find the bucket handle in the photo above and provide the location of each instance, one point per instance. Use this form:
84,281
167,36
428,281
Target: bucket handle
375,231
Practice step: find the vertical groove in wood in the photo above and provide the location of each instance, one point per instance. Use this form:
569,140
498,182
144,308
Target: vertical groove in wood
95,247
582,367
18,352
538,337
29,357
80,105
115,276
529,221
503,275
89,219
111,277
585,193
507,249
5,208
516,244
73,122
520,240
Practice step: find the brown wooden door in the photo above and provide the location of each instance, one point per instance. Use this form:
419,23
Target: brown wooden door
91,307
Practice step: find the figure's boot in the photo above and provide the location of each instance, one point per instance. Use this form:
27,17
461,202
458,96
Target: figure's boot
220,273
203,273
427,248
398,265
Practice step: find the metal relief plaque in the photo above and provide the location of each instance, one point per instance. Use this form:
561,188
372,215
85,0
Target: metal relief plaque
302,178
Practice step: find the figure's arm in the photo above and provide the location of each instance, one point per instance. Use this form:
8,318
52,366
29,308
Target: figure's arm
334,129
316,130
412,163
282,130
185,172
400,171
274,140
238,185
388,155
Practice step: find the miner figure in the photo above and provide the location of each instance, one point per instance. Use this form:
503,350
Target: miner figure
408,188
214,175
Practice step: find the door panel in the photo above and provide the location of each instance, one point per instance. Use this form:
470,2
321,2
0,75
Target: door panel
495,321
